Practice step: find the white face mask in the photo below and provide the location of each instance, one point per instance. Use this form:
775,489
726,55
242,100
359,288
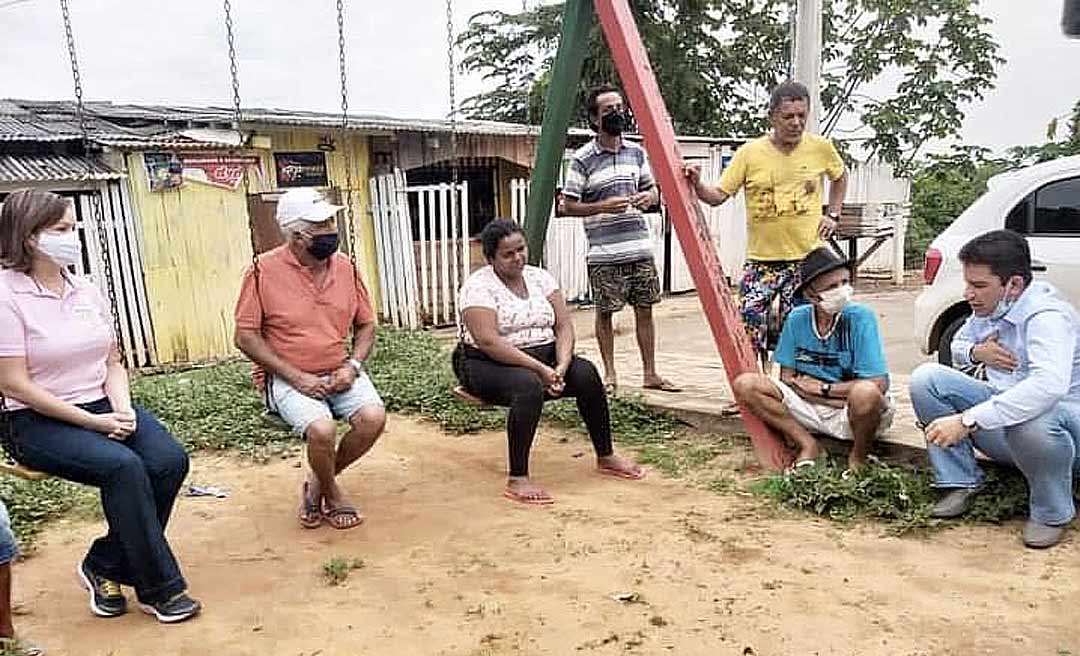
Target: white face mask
1003,306
834,300
63,248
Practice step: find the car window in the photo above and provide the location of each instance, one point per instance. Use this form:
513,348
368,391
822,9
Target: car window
1017,219
1057,208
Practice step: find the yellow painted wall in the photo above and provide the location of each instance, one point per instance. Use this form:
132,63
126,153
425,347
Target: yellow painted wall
196,246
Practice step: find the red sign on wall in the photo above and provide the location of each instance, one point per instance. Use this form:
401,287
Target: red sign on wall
219,170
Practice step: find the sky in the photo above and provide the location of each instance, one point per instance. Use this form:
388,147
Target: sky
174,53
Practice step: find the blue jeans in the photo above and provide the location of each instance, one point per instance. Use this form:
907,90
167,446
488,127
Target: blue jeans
8,547
1044,449
139,479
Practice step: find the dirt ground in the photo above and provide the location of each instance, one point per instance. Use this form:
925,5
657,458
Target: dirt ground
452,568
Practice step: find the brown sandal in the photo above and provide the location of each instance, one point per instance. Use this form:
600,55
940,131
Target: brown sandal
310,514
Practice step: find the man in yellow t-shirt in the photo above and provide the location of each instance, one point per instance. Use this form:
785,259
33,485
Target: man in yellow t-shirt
782,175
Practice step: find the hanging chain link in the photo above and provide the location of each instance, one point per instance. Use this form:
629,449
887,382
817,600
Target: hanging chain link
451,70
95,198
344,139
238,122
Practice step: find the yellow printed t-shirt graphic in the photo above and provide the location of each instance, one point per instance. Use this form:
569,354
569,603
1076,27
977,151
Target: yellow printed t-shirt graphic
783,194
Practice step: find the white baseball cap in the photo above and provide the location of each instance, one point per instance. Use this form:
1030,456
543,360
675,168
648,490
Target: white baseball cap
304,205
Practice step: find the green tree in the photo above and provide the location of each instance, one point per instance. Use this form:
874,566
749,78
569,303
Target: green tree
943,185
716,61
941,188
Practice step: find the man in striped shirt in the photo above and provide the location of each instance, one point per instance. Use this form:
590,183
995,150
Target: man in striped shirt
609,184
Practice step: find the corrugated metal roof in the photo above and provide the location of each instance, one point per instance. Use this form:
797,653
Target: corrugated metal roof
19,129
52,168
153,126
106,116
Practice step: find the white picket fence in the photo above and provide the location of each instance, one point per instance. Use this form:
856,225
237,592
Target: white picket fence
727,225
419,278
123,240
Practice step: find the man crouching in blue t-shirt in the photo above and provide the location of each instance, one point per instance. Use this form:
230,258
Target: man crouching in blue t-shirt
833,376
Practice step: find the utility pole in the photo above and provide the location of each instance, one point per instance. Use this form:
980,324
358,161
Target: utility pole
806,53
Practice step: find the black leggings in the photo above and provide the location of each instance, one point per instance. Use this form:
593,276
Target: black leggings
523,392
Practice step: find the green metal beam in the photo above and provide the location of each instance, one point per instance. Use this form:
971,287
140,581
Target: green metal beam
558,108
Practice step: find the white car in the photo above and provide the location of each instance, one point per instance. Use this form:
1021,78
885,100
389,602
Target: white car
1041,202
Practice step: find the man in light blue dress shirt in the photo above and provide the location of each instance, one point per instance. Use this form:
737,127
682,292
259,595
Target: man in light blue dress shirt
1027,414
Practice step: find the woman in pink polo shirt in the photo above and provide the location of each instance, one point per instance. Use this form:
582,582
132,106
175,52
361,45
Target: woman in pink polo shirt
70,411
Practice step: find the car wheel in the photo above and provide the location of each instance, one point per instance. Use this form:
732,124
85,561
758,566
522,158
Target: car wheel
944,345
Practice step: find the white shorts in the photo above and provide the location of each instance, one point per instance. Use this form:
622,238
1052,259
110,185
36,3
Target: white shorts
300,411
826,419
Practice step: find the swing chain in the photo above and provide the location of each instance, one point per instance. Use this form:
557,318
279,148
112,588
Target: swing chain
96,200
238,120
74,64
7,433
345,150
451,69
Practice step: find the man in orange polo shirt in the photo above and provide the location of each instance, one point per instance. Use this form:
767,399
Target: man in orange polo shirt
293,319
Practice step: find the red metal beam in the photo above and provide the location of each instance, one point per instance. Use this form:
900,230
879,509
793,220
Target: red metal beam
650,111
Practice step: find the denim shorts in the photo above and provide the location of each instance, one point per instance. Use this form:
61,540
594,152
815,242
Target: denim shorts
8,547
300,411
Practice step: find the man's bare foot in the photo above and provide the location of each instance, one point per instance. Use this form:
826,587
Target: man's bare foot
855,463
614,465
310,513
809,453
657,382
611,385
520,488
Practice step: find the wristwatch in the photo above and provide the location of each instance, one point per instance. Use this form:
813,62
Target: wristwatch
826,390
357,366
835,216
968,420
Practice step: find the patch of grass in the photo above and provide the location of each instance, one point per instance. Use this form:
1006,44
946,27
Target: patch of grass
32,504
679,457
899,496
213,408
722,485
336,570
411,370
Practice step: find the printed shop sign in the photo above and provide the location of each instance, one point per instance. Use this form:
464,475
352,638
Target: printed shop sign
301,169
170,170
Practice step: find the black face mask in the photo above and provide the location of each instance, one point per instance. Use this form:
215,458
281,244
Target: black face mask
614,123
323,246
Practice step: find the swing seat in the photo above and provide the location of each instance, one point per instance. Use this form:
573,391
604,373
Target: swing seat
464,396
274,420
25,473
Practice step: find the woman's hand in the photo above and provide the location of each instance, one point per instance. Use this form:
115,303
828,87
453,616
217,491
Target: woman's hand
552,380
115,425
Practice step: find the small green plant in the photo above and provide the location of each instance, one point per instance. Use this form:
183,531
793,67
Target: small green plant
901,497
336,570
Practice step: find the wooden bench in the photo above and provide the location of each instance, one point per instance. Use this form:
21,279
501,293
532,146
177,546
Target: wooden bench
464,396
855,224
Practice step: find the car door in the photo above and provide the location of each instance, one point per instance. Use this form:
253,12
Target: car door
1050,217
